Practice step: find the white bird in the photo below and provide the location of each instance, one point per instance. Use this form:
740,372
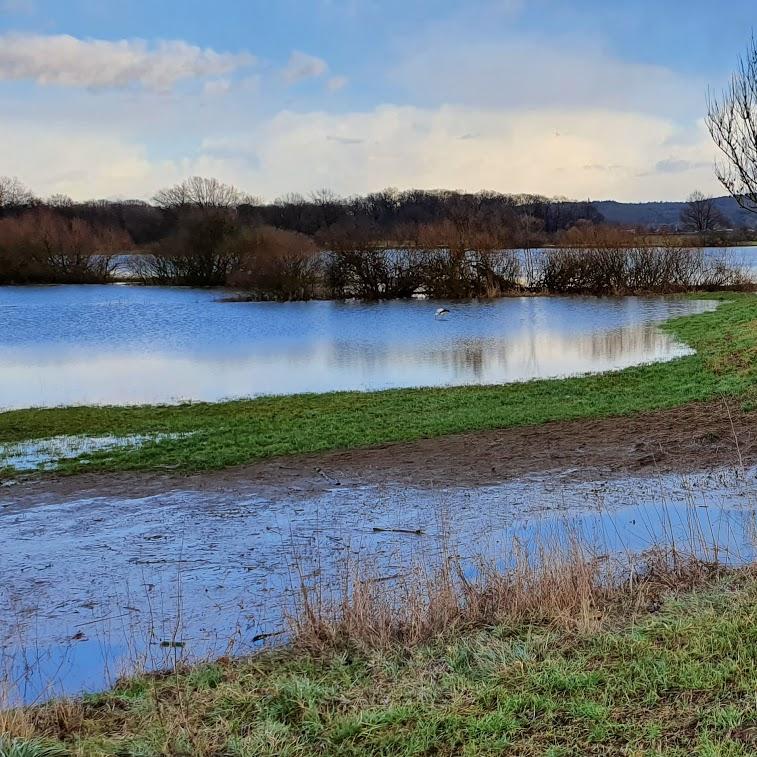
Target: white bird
440,312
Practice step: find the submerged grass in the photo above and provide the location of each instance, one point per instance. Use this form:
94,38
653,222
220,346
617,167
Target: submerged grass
230,433
676,678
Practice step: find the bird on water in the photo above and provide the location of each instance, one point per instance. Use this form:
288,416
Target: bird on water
441,311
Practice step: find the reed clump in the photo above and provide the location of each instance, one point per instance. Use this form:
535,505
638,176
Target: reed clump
571,586
604,260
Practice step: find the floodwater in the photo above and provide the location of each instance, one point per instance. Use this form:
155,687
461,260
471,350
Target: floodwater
91,585
742,257
47,454
125,344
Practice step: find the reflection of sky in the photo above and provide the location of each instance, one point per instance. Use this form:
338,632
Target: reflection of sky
742,257
123,344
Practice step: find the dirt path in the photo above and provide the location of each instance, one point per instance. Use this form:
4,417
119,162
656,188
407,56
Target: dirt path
690,438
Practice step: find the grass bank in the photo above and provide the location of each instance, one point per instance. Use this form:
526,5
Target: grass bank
678,678
230,433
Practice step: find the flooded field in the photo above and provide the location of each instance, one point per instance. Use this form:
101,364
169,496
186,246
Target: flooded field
47,454
92,584
125,344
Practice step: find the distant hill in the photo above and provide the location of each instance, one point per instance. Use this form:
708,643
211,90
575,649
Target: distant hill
668,213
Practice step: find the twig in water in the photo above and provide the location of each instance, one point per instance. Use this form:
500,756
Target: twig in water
414,531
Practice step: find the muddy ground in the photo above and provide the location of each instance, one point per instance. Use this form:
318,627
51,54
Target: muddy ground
102,573
695,437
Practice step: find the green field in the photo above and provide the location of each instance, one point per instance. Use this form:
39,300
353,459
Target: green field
230,433
679,681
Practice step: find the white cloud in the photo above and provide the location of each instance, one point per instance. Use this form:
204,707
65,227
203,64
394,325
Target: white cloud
67,61
589,153
83,162
514,118
594,153
522,72
335,83
302,66
217,87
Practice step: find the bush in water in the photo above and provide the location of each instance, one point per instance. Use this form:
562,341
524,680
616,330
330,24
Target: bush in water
278,265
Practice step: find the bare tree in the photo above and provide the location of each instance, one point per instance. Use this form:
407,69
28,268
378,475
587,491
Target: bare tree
732,122
13,194
700,214
200,192
329,205
59,201
201,249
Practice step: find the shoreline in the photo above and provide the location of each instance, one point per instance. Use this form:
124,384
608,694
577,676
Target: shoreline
684,439
665,662
241,297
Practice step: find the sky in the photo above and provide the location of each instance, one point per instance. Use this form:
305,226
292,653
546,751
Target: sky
587,99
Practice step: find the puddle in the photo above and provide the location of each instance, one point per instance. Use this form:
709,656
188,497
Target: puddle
47,454
88,587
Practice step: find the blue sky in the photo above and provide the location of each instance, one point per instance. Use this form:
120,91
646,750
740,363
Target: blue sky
583,98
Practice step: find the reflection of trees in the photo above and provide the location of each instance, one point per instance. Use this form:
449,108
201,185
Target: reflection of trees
635,340
70,375
529,353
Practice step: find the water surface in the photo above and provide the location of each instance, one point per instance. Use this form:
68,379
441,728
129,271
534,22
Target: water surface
125,344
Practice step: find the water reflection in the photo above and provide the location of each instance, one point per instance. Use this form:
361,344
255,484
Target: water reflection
129,344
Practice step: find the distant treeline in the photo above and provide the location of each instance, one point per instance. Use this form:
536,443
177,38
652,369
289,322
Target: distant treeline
387,244
387,213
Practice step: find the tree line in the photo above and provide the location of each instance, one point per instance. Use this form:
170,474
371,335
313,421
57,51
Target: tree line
386,212
202,232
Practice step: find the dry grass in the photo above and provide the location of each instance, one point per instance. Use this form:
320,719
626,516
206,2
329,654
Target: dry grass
16,722
569,586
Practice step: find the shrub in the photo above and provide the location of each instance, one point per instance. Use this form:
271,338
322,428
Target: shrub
41,246
202,251
278,265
